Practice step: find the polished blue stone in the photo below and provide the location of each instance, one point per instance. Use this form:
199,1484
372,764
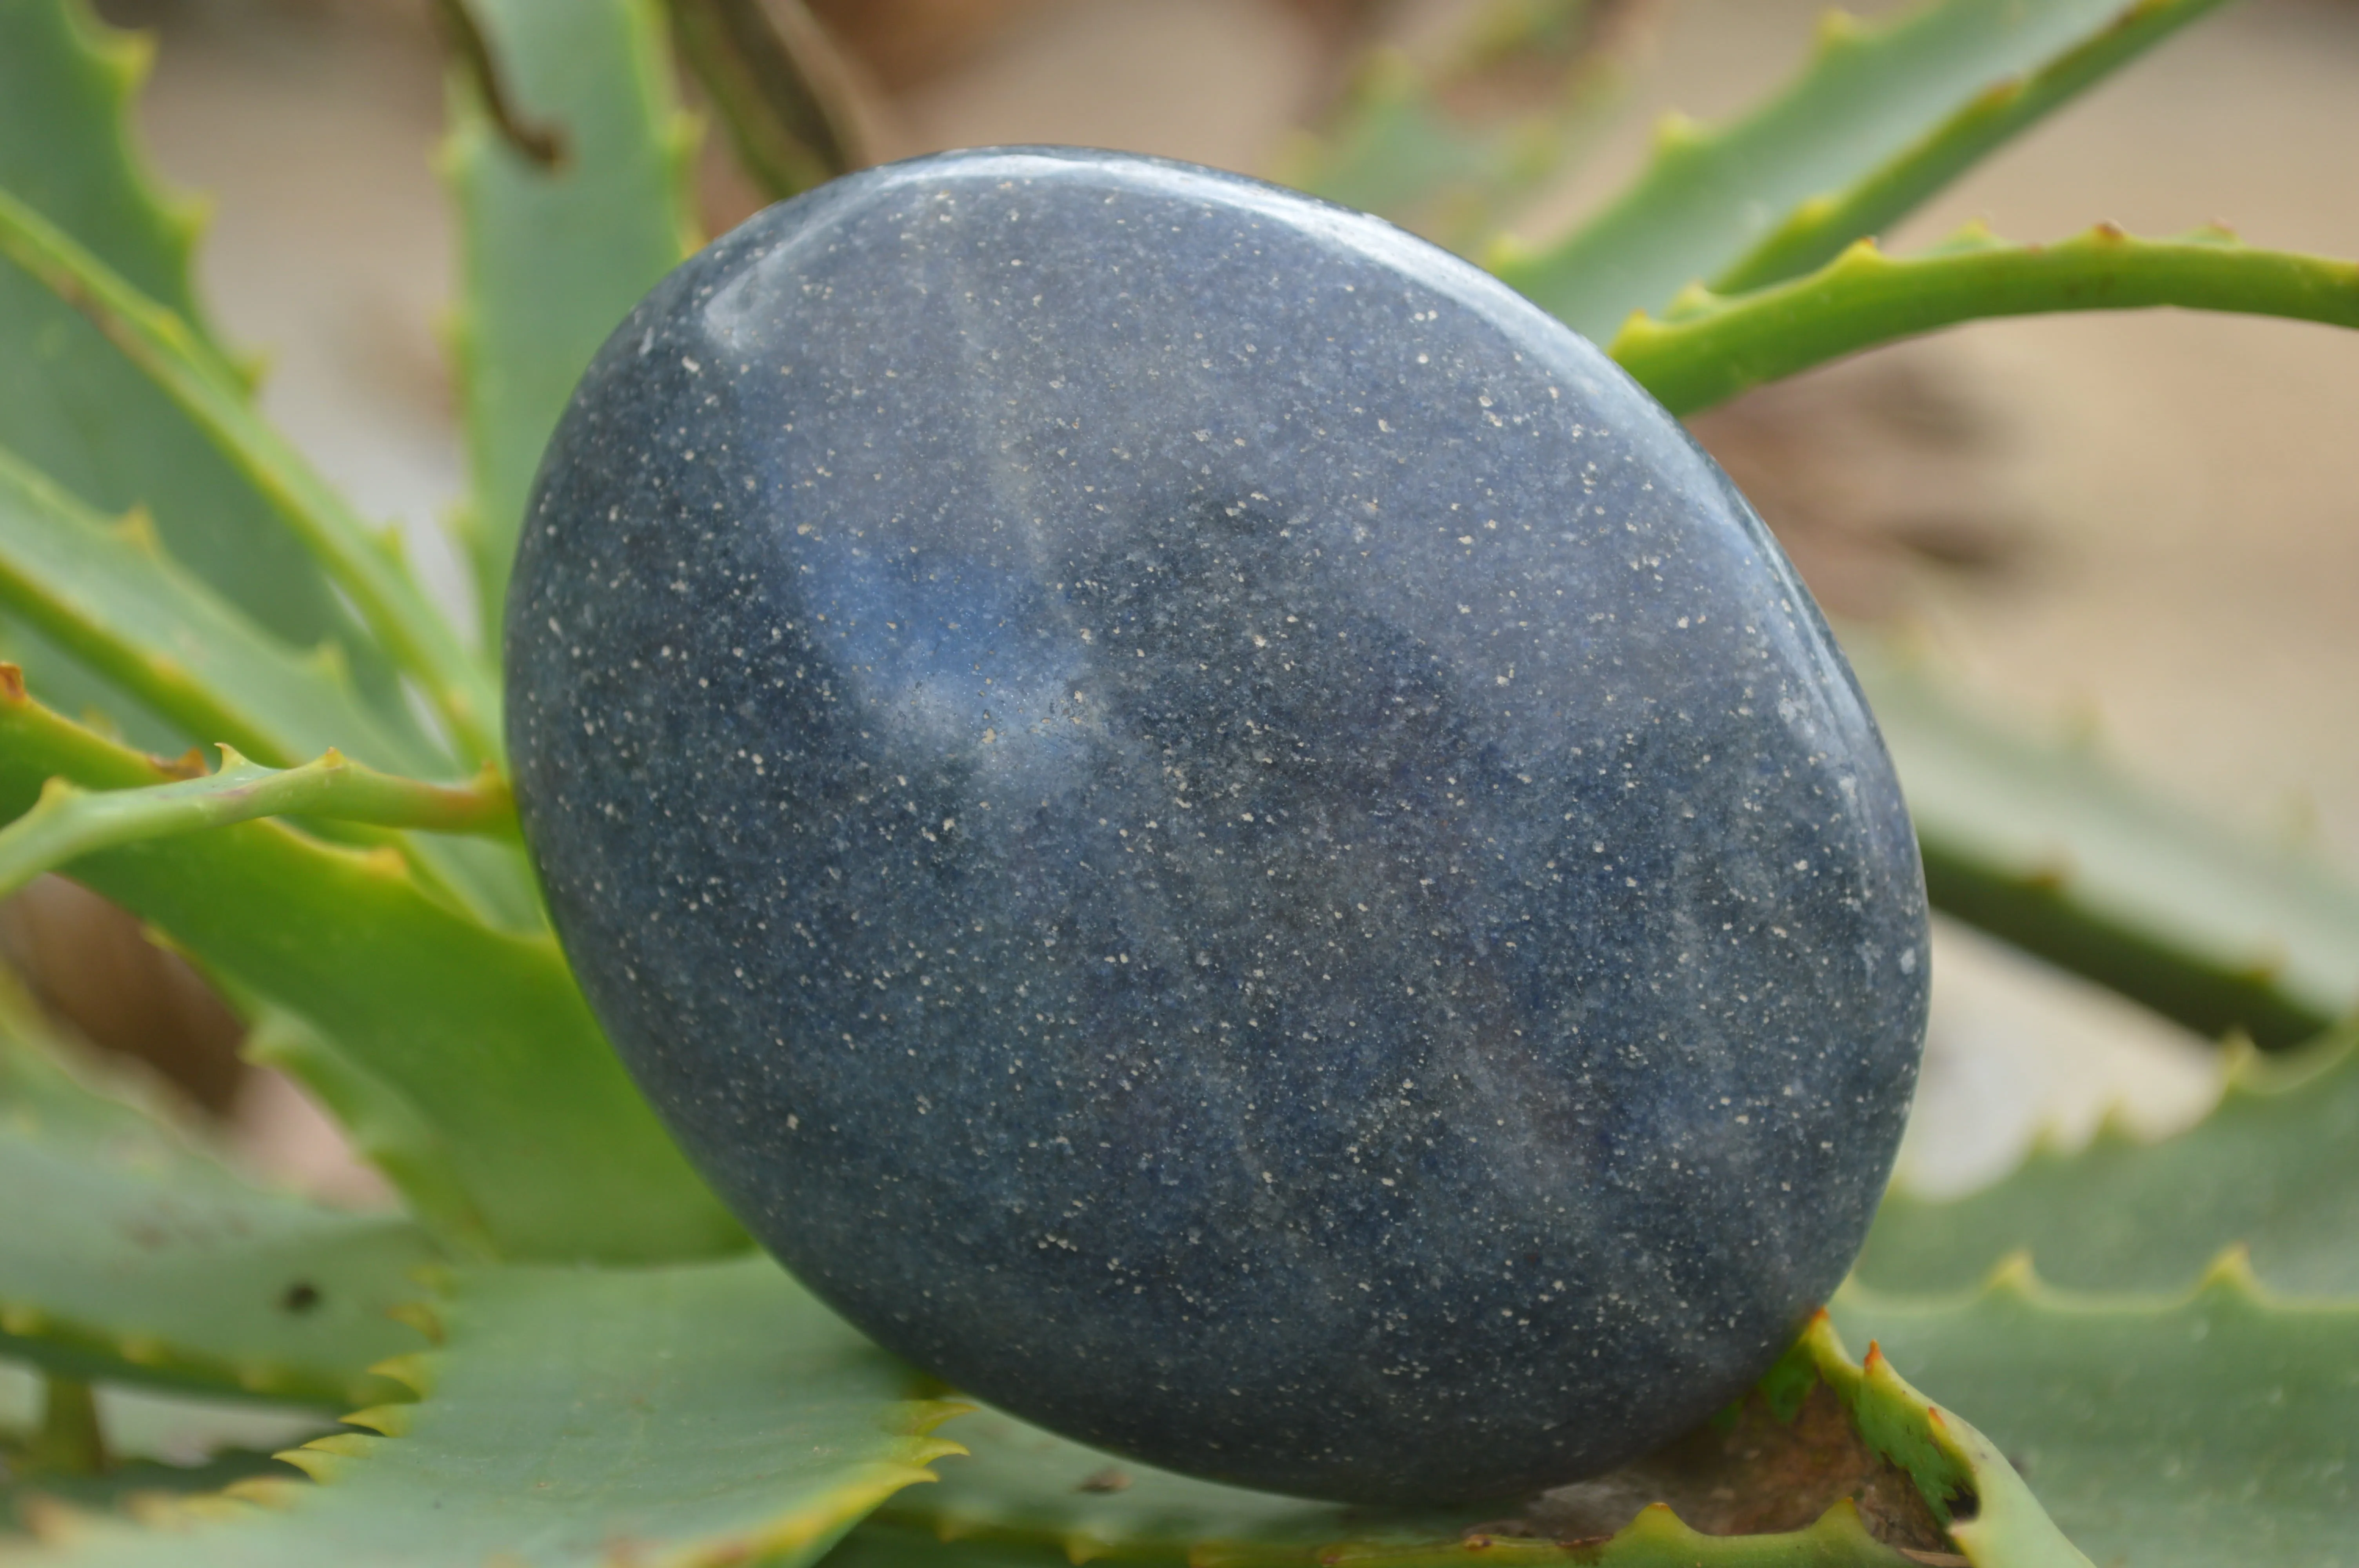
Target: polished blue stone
1214,828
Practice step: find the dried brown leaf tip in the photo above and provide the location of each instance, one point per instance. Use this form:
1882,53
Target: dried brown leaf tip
12,683
1753,1475
188,764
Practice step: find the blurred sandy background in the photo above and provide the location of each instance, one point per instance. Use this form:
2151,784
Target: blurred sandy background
2145,524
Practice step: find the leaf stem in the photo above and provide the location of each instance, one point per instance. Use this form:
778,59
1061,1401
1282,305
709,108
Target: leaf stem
1707,348
68,822
207,391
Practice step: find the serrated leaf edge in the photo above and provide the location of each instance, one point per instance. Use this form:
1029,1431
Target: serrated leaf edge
1819,227
124,58
1992,1536
327,1459
1709,348
1946,1456
1839,44
322,1460
69,1345
210,392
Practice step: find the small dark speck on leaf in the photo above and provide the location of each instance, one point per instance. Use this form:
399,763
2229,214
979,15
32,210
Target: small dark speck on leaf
1109,1479
300,1297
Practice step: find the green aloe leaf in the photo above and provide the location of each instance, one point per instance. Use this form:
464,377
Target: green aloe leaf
154,1441
1881,117
1816,231
552,259
2215,1428
690,1416
66,82
133,1255
1656,1536
1707,348
2048,848
478,1035
1784,1479
2275,1169
32,1494
1401,144
107,591
309,515
68,822
71,404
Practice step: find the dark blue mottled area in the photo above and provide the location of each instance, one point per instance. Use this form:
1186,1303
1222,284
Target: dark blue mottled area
1215,827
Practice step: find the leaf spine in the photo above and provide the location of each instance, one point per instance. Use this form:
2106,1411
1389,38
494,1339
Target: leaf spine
2230,1273
345,1444
387,1420
136,528
2012,1275
418,1315
414,1371
1677,133
276,1493
1837,28
320,1467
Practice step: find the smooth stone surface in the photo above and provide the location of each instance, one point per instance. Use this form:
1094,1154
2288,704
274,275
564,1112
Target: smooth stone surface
1214,828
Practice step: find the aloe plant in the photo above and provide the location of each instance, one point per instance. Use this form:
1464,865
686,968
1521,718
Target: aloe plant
560,1350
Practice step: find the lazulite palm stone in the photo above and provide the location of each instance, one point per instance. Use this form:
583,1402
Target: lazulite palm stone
1214,828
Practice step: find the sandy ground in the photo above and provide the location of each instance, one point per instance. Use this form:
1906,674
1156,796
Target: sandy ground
2182,492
